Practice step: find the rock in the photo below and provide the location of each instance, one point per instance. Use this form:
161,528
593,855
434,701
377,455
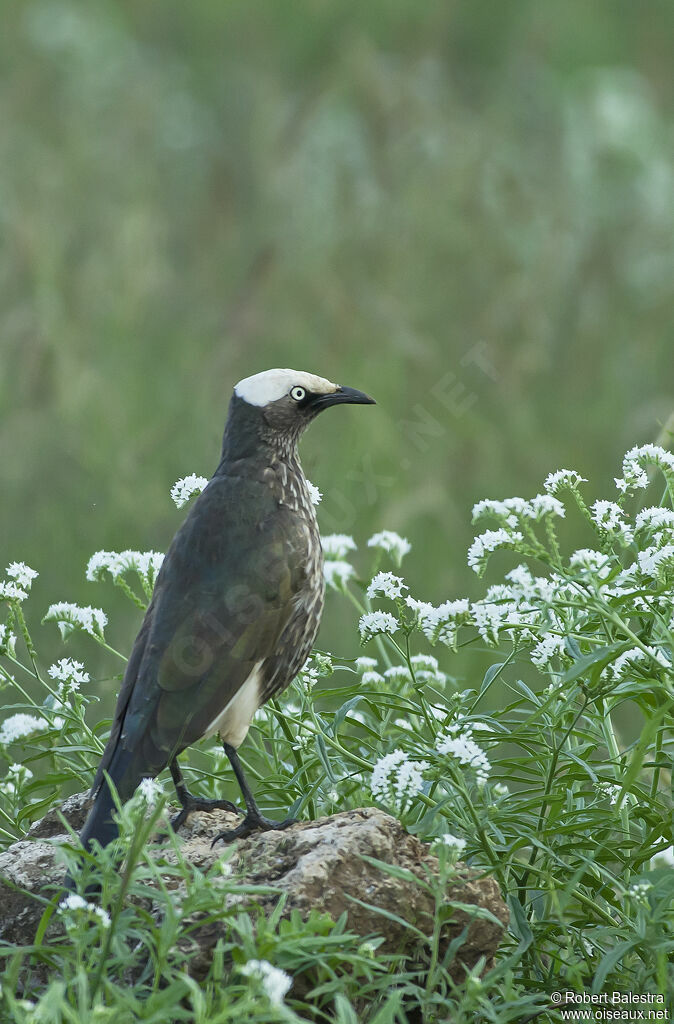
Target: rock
318,865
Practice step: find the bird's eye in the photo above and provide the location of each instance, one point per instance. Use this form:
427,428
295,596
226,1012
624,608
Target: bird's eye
297,393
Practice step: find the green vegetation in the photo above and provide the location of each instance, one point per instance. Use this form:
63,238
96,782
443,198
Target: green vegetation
544,792
465,209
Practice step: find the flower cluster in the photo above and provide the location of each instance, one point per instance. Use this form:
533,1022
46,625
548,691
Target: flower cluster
338,573
17,776
20,727
387,584
634,475
397,780
74,903
375,623
488,542
69,674
458,742
563,479
337,545
7,640
610,518
150,791
392,543
117,563
275,983
71,616
186,487
17,587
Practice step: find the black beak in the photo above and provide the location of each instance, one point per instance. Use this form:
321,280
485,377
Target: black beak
342,396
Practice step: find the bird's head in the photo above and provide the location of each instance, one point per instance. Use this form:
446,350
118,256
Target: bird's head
285,401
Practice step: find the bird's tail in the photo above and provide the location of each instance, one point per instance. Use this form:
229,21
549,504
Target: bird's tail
99,824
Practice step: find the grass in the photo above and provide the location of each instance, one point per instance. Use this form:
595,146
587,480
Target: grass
526,772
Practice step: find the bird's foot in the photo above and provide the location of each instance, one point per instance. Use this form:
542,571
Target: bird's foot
199,803
253,822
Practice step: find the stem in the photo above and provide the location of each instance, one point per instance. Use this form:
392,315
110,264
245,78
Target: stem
546,793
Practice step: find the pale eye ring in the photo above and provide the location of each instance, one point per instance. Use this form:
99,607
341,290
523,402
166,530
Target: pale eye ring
297,393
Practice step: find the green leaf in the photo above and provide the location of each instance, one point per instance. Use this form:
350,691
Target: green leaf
596,661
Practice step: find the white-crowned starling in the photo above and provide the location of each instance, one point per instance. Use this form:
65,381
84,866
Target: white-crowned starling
236,606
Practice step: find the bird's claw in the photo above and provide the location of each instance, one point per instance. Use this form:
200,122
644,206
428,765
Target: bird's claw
253,823
199,803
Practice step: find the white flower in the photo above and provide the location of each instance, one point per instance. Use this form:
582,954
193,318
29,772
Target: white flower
489,619
337,545
150,790
654,561
609,517
68,671
500,789
398,674
12,592
7,640
16,777
275,982
363,664
183,489
633,473
22,574
542,505
489,541
391,542
522,577
453,841
609,790
74,902
549,647
373,623
591,561
425,662
563,478
622,667
655,518
387,584
441,624
395,778
99,562
309,674
72,616
459,743
371,678
337,574
638,892
506,511
314,493
146,563
19,727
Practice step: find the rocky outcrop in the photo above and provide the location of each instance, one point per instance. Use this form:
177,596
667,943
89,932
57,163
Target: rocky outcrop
317,865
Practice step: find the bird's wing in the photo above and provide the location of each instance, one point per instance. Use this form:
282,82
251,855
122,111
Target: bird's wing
226,591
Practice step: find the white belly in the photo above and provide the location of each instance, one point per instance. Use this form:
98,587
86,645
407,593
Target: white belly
234,720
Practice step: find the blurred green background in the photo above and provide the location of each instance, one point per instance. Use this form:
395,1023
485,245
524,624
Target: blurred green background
466,209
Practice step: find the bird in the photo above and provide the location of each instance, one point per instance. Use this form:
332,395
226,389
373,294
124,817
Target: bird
235,608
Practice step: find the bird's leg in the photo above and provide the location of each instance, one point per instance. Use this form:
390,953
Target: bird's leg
190,803
254,820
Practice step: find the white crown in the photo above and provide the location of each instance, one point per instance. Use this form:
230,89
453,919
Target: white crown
270,385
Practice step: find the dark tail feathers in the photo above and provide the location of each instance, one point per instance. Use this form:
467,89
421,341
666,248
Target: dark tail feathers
99,824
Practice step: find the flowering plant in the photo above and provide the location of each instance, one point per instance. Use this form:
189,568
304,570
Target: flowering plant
551,769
